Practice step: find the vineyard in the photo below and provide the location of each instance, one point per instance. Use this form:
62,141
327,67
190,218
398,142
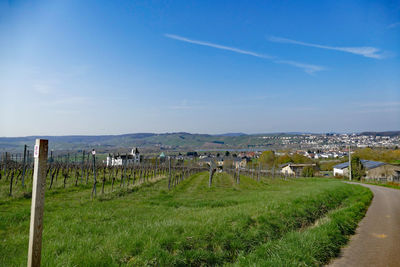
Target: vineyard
171,213
84,171
16,174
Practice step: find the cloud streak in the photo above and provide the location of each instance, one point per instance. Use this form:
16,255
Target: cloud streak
394,25
185,105
365,51
308,68
379,104
223,47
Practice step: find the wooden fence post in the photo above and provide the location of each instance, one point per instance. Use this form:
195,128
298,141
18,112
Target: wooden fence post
5,165
169,177
210,174
94,173
39,184
83,163
273,170
24,167
124,175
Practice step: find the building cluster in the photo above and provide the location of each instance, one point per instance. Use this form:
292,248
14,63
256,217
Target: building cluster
333,141
319,154
374,170
296,170
225,162
121,159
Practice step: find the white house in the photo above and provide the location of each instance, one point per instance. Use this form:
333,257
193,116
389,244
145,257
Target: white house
341,169
292,169
118,160
373,170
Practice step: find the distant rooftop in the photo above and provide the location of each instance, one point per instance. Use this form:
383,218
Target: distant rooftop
299,164
368,164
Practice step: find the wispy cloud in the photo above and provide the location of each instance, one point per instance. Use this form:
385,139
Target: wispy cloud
377,107
379,104
68,101
392,110
308,68
394,25
185,105
43,88
223,47
365,51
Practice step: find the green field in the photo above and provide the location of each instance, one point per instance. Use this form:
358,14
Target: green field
268,223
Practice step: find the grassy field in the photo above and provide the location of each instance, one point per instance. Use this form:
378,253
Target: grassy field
268,223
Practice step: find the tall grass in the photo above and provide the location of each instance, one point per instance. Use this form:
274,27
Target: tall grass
271,222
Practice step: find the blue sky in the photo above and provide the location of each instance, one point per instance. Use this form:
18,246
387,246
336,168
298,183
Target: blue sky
112,67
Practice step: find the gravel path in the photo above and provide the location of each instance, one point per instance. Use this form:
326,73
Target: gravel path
377,239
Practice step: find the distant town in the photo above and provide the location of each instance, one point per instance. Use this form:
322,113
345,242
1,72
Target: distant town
333,144
317,145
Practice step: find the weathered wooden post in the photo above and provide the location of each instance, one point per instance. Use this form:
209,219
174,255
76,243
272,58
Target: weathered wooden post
350,163
24,167
273,170
83,163
94,173
169,178
11,182
5,165
124,173
104,180
113,178
211,175
37,208
28,158
87,168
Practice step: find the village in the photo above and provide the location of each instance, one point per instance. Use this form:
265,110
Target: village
308,163
333,142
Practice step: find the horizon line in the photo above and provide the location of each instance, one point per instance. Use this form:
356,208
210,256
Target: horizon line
194,133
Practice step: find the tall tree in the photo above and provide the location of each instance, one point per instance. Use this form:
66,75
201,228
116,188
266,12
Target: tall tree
267,158
357,169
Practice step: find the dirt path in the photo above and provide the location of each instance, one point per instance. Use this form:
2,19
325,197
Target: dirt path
377,239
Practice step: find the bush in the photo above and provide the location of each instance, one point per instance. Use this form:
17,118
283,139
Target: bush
308,172
357,169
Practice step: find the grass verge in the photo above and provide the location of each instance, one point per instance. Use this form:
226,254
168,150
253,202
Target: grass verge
192,224
388,184
314,246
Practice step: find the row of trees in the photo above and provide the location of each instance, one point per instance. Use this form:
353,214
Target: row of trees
357,169
384,155
268,158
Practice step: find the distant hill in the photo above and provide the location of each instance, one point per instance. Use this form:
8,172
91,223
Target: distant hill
231,134
180,140
153,141
387,133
